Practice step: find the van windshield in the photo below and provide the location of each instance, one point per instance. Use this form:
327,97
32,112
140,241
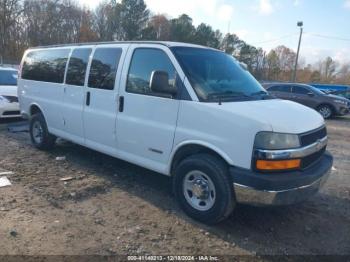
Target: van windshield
8,78
216,76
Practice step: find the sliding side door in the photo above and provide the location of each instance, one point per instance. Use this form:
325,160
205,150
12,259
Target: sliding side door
100,108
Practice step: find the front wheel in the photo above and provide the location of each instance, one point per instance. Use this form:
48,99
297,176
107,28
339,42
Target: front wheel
325,111
39,134
203,188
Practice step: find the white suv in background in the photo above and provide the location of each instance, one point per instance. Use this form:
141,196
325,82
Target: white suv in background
185,111
9,106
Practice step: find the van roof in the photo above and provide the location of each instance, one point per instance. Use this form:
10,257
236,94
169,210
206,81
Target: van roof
165,43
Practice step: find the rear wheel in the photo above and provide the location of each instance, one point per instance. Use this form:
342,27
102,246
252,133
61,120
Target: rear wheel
203,188
39,134
325,111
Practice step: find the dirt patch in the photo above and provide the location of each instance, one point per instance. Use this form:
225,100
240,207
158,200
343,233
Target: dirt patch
112,207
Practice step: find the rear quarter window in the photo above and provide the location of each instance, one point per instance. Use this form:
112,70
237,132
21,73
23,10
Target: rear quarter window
45,65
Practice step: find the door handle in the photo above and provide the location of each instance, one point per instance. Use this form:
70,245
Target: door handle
121,103
88,98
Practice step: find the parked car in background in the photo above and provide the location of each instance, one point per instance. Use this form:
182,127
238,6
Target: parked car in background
342,93
327,105
330,87
9,106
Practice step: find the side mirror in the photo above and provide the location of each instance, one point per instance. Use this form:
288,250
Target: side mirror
159,83
310,94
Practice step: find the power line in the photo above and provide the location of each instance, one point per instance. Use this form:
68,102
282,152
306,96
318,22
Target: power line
310,34
329,37
276,39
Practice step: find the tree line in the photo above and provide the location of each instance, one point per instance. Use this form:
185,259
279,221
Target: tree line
26,23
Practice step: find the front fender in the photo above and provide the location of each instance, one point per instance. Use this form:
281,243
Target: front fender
198,143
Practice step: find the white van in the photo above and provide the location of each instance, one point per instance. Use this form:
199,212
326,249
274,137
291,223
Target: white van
185,111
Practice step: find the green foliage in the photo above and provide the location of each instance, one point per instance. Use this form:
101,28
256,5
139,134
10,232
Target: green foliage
231,44
182,29
273,65
248,55
149,33
134,16
204,35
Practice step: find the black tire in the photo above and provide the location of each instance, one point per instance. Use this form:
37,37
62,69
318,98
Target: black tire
325,110
46,141
217,171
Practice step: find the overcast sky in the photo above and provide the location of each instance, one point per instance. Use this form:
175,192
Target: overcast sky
268,23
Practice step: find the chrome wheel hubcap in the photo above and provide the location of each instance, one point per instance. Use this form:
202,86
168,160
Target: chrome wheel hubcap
37,132
199,190
325,112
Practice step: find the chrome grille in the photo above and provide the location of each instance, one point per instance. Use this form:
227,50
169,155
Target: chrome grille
312,136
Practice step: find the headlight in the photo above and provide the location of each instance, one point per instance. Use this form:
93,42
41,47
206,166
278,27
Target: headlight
275,141
338,101
4,99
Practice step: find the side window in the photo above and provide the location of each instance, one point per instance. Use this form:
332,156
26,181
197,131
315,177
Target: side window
144,62
77,66
300,90
104,67
46,65
284,89
274,88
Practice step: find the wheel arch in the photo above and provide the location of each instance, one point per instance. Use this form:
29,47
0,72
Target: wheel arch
185,149
34,109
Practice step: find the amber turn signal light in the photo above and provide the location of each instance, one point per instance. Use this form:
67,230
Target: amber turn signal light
278,164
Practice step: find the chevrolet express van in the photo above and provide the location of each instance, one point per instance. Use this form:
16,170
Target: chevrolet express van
185,111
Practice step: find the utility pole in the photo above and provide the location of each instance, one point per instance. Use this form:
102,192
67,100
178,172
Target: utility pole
300,24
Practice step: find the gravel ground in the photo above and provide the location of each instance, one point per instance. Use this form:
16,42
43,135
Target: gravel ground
108,206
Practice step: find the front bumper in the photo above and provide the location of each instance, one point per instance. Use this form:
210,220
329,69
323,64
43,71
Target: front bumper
280,188
9,110
342,110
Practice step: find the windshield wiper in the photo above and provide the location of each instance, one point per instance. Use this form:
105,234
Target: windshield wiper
264,95
227,95
259,93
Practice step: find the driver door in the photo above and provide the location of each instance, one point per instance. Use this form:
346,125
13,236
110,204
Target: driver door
100,105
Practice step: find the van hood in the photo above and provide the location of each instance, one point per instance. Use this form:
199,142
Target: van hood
281,115
8,90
